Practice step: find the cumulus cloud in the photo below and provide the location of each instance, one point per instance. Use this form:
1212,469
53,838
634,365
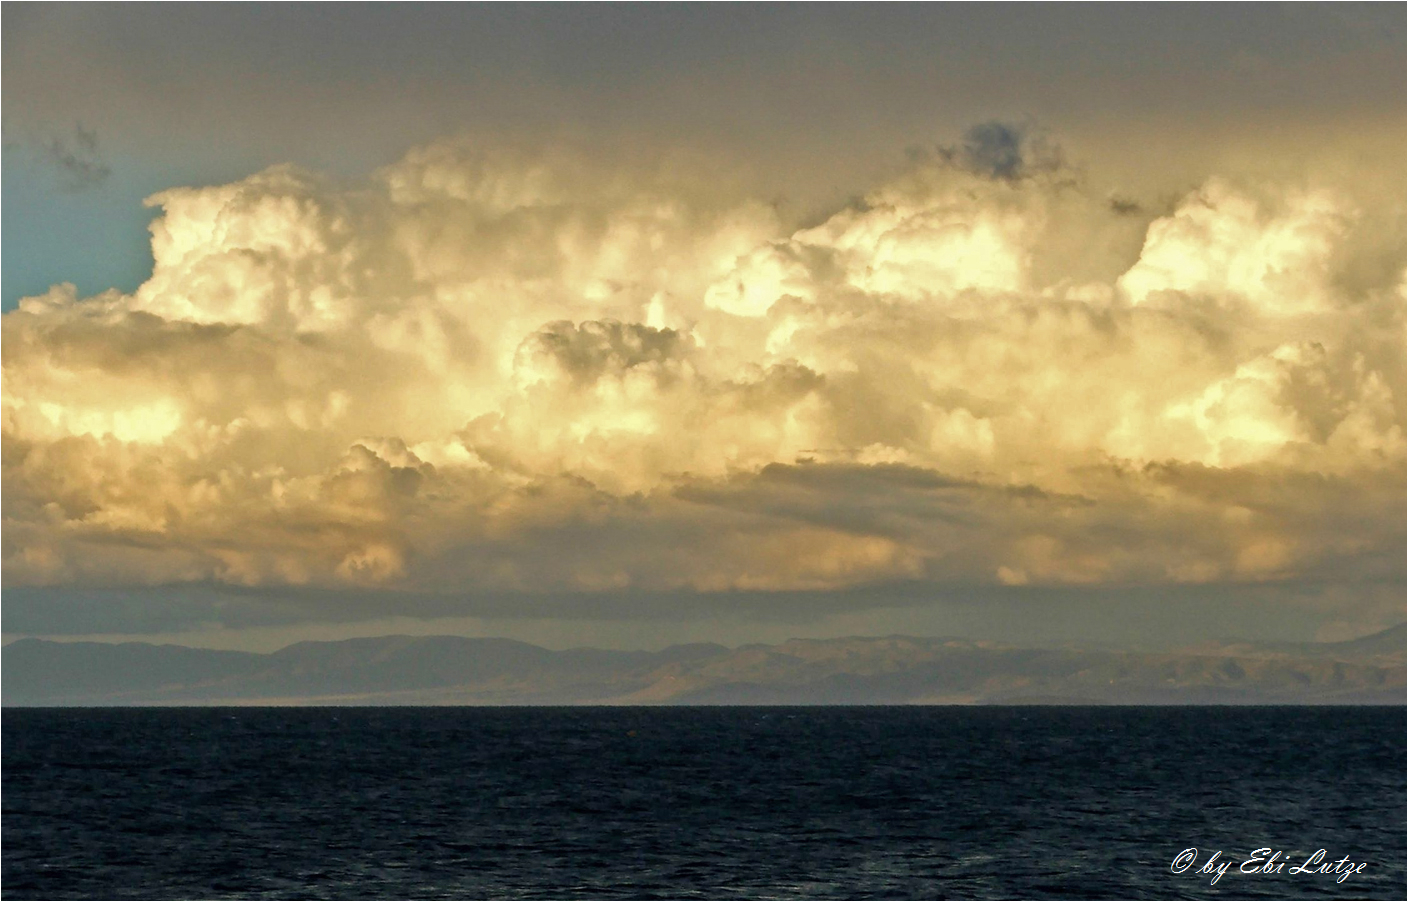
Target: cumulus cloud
492,371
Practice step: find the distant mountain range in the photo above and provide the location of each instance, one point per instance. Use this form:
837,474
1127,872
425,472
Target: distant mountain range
448,670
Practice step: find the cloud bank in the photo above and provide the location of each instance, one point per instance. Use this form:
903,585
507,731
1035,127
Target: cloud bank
488,370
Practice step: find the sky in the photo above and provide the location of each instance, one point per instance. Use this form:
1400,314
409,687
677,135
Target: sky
636,325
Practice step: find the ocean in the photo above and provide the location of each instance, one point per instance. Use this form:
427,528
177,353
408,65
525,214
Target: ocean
676,802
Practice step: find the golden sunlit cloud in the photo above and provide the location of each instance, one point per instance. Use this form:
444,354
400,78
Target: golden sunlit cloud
488,370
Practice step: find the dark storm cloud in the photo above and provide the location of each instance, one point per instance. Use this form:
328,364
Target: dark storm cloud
76,160
1002,150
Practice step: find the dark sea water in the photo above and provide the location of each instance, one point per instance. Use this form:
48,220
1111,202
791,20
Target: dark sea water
908,802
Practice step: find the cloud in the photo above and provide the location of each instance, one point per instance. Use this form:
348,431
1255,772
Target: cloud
1004,150
76,160
495,372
